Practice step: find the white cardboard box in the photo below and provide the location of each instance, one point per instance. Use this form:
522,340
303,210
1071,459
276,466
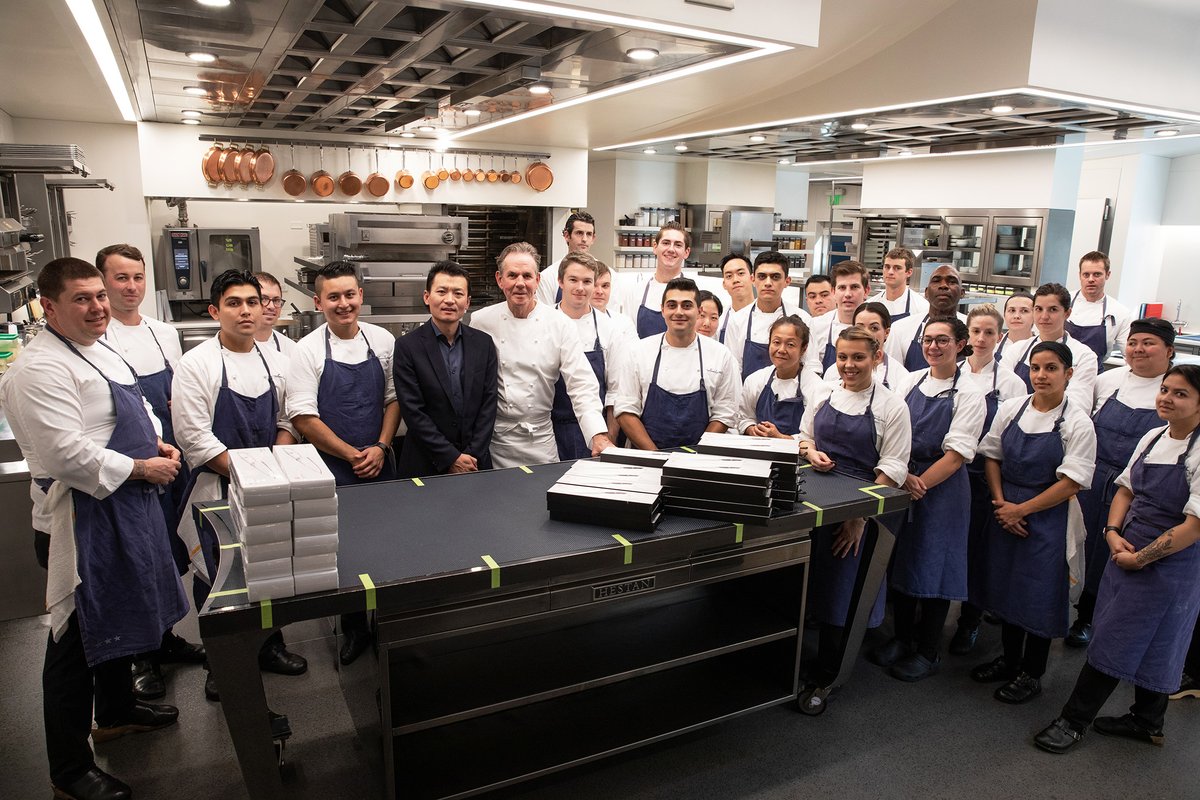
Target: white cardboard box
319,507
303,565
325,581
271,589
267,551
267,570
314,526
307,474
259,534
259,514
256,475
315,545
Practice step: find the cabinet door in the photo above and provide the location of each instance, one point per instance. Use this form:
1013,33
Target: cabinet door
967,243
1015,248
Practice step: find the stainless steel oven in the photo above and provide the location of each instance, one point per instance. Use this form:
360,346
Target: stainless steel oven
189,258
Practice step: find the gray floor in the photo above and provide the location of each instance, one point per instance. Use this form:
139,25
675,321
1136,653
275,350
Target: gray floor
942,738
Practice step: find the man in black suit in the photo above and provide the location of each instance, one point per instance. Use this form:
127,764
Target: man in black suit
446,378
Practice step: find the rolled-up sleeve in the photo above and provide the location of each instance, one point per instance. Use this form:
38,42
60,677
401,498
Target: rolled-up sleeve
966,427
1079,446
896,441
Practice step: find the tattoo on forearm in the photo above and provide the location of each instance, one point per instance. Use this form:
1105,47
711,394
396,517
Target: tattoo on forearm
1157,549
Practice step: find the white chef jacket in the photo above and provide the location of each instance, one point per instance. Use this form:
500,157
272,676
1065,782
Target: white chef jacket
918,306
307,364
1131,390
897,378
1006,381
139,344
679,373
280,344
735,334
903,332
805,383
968,410
1083,380
822,330
548,286
1167,451
615,338
1078,436
893,429
631,289
1116,329
533,352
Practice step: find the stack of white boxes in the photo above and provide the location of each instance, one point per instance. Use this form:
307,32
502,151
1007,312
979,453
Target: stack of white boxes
261,507
314,518
284,509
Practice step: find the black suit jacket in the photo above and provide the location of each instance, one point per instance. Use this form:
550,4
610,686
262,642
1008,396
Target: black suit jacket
437,435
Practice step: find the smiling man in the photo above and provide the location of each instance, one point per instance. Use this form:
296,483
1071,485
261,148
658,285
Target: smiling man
850,284
944,293
897,297
750,329
1097,319
642,298
676,386
536,345
272,306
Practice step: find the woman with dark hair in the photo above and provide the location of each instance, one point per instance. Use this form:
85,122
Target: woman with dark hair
774,397
929,566
875,319
710,314
1150,593
1040,450
1018,320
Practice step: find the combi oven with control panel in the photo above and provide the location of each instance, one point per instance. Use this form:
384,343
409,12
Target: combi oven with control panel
189,258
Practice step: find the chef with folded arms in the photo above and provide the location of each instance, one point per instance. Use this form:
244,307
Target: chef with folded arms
1051,310
641,299
536,344
749,328
93,449
342,399
152,349
1097,319
228,393
850,284
678,385
899,299
272,305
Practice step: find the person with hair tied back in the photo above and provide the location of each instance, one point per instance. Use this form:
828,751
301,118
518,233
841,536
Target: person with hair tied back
709,322
1040,451
874,319
774,397
1150,594
1051,310
1018,321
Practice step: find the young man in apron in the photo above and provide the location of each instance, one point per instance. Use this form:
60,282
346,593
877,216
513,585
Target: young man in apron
851,282
272,305
737,279
341,398
944,294
1097,319
579,233
112,589
642,299
897,296
152,349
748,335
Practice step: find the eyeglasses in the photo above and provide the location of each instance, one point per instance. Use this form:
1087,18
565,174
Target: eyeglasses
273,301
940,341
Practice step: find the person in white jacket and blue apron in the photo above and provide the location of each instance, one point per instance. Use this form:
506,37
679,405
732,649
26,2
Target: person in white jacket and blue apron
1150,593
774,397
1018,321
1098,320
897,296
747,334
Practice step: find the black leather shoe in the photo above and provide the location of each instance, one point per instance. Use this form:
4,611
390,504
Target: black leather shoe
96,784
210,688
143,717
282,661
1079,635
177,650
964,640
1058,737
915,667
354,644
995,670
888,653
1020,689
148,681
1128,727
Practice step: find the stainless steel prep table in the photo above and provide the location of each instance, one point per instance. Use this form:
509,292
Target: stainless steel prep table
498,625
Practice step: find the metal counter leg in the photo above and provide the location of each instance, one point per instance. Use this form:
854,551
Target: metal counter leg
233,659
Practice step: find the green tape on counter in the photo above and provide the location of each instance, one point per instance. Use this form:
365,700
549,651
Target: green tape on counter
871,491
369,585
740,530
228,592
494,567
231,546
820,512
214,509
526,470
418,481
627,545
687,449
267,617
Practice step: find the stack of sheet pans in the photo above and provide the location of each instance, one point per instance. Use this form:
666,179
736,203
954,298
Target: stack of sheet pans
614,495
784,454
719,487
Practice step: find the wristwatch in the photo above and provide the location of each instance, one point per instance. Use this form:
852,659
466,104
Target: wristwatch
381,446
1108,528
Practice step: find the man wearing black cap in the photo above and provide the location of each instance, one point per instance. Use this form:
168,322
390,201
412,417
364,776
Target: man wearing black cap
1123,411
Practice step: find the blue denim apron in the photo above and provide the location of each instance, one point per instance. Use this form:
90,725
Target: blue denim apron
914,356
675,420
907,307
649,323
350,402
755,356
1026,582
1144,619
567,435
129,592
850,441
981,498
1094,336
784,414
930,559
829,355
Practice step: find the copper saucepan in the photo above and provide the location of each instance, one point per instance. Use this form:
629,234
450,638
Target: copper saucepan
516,173
468,174
375,184
227,165
210,164
264,167
245,165
404,178
455,175
480,175
321,181
539,177
348,182
294,182
430,179
443,173
492,175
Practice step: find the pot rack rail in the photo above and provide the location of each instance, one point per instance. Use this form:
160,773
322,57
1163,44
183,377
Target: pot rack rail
336,145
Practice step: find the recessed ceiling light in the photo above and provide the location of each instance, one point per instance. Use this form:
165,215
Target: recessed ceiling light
426,128
190,113
202,57
1167,132
199,91
681,148
649,151
785,161
642,53
1002,109
191,122
539,88
214,3
758,137
299,201
243,199
408,135
905,152
859,126
472,112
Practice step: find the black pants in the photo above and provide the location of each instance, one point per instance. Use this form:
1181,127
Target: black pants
68,689
1085,609
1092,690
920,620
1191,664
1028,651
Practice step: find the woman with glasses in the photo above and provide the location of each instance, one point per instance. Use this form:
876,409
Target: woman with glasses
929,566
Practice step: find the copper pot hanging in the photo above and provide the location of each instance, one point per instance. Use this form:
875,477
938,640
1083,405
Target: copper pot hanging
516,173
210,164
264,167
455,175
430,179
245,165
492,175
294,182
228,165
321,181
404,178
468,174
348,182
539,177
375,184
480,175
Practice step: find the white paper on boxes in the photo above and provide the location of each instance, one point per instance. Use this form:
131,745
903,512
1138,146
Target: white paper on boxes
261,514
317,563
315,526
315,545
257,476
271,589
321,507
306,473
267,551
267,570
325,581
259,534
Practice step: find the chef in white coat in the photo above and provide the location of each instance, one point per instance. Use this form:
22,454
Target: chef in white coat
272,305
535,344
897,296
850,285
1097,319
641,299
228,392
748,333
580,234
1051,310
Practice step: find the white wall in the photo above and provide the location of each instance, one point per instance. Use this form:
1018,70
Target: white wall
1180,241
601,204
791,193
6,127
738,184
1003,180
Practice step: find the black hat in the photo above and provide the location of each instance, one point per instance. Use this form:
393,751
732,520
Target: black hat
1153,325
